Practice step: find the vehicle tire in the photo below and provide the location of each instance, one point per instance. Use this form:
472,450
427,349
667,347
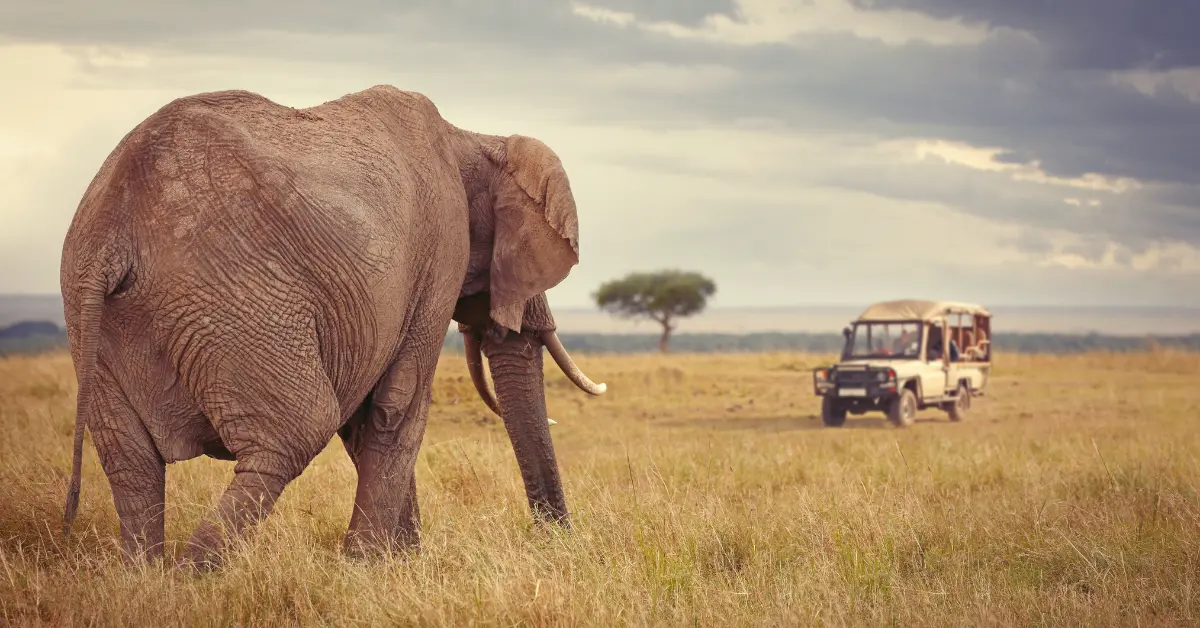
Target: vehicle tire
961,406
902,411
833,413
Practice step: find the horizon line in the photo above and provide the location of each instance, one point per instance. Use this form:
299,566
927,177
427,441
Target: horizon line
831,304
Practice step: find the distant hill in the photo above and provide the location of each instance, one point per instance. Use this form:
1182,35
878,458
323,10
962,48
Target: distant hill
39,336
1131,321
34,323
832,343
15,308
31,337
26,329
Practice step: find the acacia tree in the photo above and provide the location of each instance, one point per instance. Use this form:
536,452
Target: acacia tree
662,296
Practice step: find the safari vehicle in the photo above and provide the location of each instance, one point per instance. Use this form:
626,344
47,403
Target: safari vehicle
894,360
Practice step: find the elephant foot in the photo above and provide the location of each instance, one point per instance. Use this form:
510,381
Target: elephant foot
364,545
197,564
142,554
204,552
560,525
246,502
550,512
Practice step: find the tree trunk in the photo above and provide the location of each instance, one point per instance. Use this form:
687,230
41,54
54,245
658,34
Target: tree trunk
666,333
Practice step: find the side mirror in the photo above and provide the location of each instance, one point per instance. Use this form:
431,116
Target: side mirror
846,333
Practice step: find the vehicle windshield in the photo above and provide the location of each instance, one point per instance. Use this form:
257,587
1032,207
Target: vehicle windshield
885,340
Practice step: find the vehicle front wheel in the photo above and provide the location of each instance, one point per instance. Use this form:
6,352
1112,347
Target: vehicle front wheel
903,410
833,413
961,405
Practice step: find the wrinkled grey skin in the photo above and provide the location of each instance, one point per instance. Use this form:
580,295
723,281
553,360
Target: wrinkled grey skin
243,280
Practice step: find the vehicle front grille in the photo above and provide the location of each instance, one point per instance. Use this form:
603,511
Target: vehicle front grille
856,378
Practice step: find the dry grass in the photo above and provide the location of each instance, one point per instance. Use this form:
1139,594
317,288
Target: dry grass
704,492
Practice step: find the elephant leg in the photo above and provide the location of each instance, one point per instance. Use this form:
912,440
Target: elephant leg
383,440
275,420
135,470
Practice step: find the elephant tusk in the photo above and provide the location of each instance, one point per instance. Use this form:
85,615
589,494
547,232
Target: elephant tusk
474,357
564,361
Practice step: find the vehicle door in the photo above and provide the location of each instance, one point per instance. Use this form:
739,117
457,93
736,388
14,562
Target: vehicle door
934,368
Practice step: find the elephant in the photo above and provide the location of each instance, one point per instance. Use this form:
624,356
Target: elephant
243,280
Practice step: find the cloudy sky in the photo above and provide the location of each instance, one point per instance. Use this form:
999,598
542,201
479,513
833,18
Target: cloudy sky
797,151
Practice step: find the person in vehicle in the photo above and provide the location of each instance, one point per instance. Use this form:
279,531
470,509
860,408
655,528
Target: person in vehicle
935,345
907,344
981,344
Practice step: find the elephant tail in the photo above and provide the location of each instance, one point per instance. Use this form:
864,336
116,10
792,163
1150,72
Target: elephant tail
101,281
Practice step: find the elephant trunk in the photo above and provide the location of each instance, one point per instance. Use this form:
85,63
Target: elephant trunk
516,367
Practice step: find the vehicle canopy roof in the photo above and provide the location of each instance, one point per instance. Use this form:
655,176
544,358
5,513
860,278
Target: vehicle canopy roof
918,309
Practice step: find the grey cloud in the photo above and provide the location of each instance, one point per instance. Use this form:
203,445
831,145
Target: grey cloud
1072,122
1091,248
1015,157
1131,219
1028,97
139,21
1001,93
547,26
1175,195
1085,34
686,12
1032,241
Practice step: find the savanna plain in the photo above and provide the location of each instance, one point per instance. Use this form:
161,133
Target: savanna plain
704,491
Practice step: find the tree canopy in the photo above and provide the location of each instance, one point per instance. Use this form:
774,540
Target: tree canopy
662,296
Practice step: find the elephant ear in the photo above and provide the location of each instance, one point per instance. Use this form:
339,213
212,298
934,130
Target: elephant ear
537,229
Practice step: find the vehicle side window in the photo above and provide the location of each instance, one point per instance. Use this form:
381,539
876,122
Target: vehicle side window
934,346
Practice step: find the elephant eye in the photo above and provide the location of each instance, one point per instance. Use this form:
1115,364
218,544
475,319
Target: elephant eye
125,284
